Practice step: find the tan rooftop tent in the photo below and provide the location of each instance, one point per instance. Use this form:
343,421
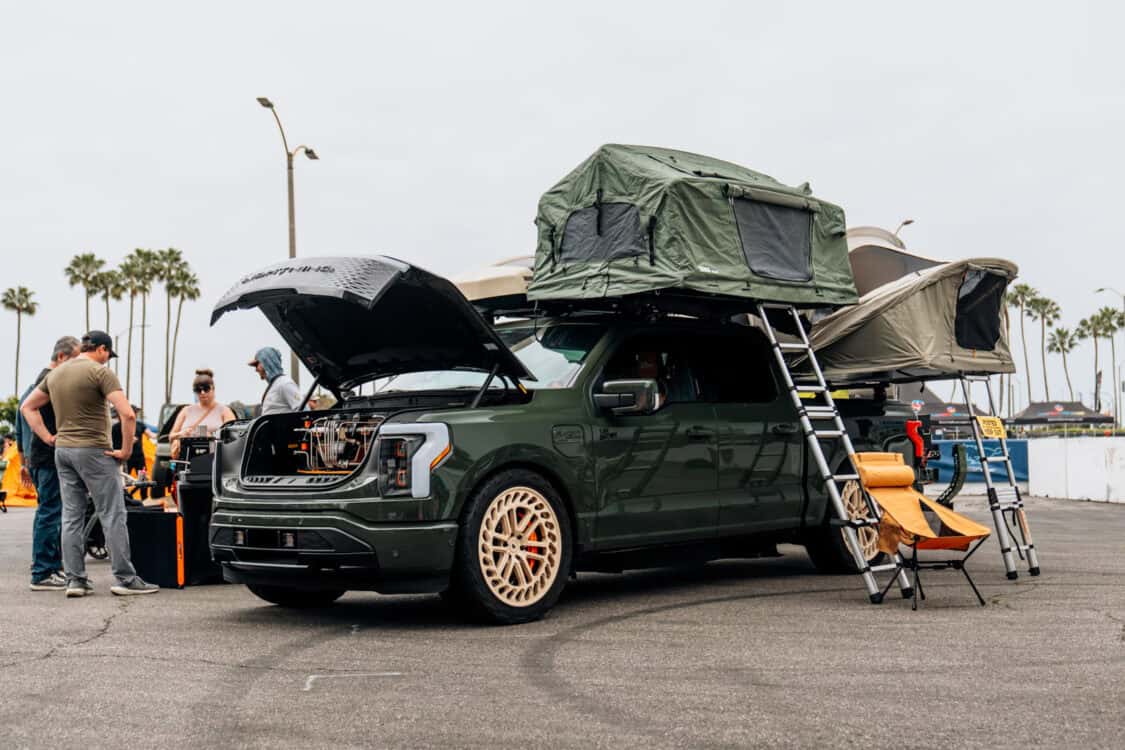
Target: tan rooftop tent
938,322
506,278
879,257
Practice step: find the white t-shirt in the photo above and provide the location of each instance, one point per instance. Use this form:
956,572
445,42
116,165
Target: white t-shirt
281,395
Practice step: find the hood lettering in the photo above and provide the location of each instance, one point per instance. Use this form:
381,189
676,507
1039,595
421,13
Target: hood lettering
286,270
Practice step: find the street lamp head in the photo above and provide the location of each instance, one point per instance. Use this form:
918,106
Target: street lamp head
311,154
265,102
905,223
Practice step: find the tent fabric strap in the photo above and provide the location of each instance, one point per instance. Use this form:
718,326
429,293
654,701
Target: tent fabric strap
772,197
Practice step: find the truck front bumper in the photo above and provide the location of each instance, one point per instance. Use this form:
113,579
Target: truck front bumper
332,550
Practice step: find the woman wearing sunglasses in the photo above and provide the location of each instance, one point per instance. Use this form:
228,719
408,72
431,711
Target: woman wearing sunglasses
203,418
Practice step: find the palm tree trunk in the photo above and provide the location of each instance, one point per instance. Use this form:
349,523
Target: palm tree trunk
107,313
1097,396
1043,355
1066,370
1026,365
175,345
19,325
167,346
129,348
1113,378
87,290
144,321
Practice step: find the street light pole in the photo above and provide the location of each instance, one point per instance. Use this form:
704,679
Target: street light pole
294,364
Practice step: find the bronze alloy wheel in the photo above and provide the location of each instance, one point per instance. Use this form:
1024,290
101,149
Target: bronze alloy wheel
856,507
519,546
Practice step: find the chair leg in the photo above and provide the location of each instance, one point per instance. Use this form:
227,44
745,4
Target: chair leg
969,578
917,585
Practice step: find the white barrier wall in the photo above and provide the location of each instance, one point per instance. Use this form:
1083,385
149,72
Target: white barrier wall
1081,468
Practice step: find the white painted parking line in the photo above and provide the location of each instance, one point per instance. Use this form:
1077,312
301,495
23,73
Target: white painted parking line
312,678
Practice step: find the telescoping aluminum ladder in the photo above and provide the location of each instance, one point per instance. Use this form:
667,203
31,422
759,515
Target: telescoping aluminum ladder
821,423
1004,502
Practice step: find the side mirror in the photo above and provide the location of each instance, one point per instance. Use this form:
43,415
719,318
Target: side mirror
629,396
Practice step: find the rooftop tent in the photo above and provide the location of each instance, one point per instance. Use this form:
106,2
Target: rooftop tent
1060,412
501,280
637,219
879,257
935,323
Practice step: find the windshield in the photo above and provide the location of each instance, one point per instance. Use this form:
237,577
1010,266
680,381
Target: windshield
553,352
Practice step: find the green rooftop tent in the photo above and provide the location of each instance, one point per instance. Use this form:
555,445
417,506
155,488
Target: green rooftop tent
636,219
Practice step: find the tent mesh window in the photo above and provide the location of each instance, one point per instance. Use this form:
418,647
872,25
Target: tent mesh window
601,232
979,301
776,240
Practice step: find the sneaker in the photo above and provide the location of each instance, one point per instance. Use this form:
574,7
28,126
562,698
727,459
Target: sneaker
134,588
53,582
78,588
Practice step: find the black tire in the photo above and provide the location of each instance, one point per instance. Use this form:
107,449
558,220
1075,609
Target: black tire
486,583
295,598
827,548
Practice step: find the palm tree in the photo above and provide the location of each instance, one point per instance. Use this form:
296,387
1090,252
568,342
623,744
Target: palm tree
146,272
1046,311
168,265
83,271
134,284
18,300
109,285
1111,322
187,286
1020,296
1090,328
1062,342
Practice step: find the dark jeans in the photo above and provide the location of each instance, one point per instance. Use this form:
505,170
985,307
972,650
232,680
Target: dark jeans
46,552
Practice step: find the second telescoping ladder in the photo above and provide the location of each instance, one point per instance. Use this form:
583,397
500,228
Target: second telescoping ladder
1004,501
822,422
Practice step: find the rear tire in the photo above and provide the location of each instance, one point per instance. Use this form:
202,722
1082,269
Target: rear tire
295,598
514,550
826,546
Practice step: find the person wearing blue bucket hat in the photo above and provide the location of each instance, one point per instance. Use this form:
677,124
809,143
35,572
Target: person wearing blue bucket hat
282,394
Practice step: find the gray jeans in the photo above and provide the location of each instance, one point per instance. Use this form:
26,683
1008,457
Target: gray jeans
88,471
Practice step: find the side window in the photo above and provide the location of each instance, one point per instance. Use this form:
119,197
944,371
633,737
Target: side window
776,240
672,361
605,232
738,369
979,301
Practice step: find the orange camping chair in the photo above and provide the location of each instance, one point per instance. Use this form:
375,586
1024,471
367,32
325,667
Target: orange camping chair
890,482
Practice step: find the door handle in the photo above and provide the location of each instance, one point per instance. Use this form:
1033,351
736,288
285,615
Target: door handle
698,433
784,429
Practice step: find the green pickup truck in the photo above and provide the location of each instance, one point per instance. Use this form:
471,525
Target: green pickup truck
490,462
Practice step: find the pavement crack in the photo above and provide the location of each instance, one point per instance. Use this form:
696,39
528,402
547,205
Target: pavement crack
53,651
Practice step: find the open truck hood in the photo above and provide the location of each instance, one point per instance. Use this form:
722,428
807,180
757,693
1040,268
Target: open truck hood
354,319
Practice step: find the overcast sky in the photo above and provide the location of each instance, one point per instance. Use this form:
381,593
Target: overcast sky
996,126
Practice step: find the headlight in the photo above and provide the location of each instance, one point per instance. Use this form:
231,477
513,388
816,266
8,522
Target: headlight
406,454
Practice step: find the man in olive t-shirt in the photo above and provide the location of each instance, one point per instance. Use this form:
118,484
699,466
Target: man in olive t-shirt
86,462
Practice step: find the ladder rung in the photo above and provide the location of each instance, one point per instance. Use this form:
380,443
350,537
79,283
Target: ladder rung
885,566
820,411
995,459
792,347
855,523
809,388
845,477
828,433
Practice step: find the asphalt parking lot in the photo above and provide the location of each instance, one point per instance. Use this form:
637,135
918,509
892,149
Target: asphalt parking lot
762,653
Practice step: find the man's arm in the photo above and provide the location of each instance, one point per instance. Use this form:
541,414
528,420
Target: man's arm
30,411
128,424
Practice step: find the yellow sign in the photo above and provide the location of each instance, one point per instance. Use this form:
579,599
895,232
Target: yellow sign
991,427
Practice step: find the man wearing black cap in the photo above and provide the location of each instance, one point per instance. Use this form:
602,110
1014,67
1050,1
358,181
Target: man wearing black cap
86,461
